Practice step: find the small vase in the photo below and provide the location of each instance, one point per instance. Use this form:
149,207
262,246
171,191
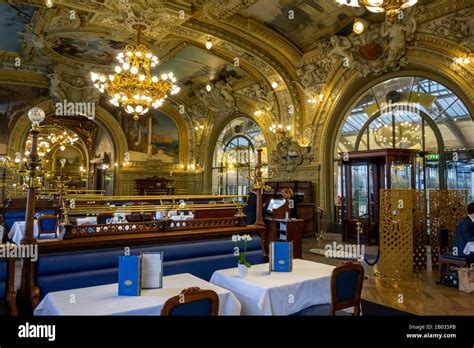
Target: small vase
243,270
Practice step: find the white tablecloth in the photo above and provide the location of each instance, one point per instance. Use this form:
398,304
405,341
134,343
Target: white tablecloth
278,293
469,248
17,232
104,299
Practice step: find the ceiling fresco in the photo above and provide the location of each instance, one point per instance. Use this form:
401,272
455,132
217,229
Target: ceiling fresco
13,19
195,66
310,20
89,49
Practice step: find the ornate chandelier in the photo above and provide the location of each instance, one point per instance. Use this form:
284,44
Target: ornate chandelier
392,8
407,135
133,87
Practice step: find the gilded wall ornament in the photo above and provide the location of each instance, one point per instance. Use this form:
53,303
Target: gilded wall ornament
289,154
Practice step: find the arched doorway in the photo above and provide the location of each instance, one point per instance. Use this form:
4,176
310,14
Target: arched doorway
408,114
234,156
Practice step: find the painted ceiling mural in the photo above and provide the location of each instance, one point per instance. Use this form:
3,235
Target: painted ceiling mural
89,49
194,66
309,21
13,19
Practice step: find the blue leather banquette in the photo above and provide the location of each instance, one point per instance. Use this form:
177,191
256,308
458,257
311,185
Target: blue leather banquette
64,271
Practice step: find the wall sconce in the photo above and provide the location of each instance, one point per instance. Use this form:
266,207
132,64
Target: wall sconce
258,113
198,127
208,87
275,84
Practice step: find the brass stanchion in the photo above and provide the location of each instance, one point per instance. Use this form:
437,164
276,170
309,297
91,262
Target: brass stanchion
29,294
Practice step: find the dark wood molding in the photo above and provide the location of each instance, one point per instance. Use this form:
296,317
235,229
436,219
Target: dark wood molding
138,239
12,308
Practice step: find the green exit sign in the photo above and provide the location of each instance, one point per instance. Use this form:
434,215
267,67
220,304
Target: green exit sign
432,156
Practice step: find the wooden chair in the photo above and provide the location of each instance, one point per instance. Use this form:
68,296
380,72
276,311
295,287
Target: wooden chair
47,226
446,259
192,302
103,217
346,289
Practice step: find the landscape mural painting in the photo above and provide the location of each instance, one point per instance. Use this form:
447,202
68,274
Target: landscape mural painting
136,133
164,138
13,19
14,100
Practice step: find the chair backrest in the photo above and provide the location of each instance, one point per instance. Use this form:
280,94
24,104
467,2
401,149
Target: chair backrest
103,217
192,302
346,287
47,224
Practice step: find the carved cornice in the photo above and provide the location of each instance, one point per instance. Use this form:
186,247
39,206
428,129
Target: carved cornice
16,77
441,8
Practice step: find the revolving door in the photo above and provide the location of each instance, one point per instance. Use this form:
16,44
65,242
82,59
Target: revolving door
364,174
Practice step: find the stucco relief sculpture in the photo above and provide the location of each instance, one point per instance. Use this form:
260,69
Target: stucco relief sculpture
220,98
379,49
76,90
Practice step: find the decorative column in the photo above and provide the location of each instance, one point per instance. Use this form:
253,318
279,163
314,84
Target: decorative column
29,294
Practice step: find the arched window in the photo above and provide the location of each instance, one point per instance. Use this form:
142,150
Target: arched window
414,113
235,156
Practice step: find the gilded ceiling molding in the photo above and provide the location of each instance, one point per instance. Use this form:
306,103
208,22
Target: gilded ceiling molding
251,28
441,9
221,10
287,72
24,78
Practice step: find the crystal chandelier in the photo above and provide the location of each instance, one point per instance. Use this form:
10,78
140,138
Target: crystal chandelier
392,8
407,135
132,86
50,137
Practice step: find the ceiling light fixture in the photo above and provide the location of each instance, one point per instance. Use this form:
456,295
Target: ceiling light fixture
132,86
392,8
208,43
359,26
275,84
49,3
208,87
